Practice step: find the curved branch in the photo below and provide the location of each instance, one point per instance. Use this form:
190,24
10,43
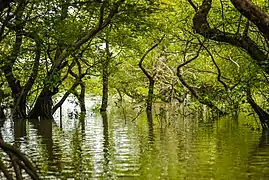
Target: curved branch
90,34
190,60
191,89
193,5
5,171
67,93
140,64
263,115
10,149
253,13
201,26
216,65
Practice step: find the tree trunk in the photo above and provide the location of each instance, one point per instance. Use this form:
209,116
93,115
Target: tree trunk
105,86
43,105
253,13
150,95
105,76
82,97
19,109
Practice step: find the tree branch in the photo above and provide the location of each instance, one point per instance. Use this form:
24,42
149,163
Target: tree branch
216,65
253,13
140,64
202,27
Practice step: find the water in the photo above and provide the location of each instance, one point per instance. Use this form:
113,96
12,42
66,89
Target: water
111,147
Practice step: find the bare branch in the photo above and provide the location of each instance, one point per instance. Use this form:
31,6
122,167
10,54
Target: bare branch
140,64
193,5
216,65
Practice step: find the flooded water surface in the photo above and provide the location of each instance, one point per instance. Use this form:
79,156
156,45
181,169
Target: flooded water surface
117,146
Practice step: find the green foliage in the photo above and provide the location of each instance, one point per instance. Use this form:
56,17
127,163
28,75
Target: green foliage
134,28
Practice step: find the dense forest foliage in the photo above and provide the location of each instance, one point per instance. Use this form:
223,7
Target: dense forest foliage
204,53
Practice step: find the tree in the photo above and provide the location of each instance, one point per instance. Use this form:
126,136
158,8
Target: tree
241,36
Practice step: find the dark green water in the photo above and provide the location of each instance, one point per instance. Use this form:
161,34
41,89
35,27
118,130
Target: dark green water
97,147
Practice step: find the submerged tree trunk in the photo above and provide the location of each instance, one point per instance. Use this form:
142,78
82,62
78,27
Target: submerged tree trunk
150,94
43,105
81,96
19,92
19,109
263,115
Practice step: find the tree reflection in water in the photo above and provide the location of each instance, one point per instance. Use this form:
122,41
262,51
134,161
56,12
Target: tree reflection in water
106,145
19,131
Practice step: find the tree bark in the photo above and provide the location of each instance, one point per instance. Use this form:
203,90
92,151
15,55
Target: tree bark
150,95
81,96
105,76
255,14
2,114
43,105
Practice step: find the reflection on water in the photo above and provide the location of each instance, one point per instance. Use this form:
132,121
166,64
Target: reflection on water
107,146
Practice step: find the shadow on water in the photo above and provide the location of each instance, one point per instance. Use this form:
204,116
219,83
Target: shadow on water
105,141
110,148
77,141
150,126
259,158
82,118
44,130
19,131
264,139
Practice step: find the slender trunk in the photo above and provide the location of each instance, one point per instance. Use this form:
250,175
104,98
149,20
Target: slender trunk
105,76
82,97
2,114
65,96
149,76
105,86
82,122
150,94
